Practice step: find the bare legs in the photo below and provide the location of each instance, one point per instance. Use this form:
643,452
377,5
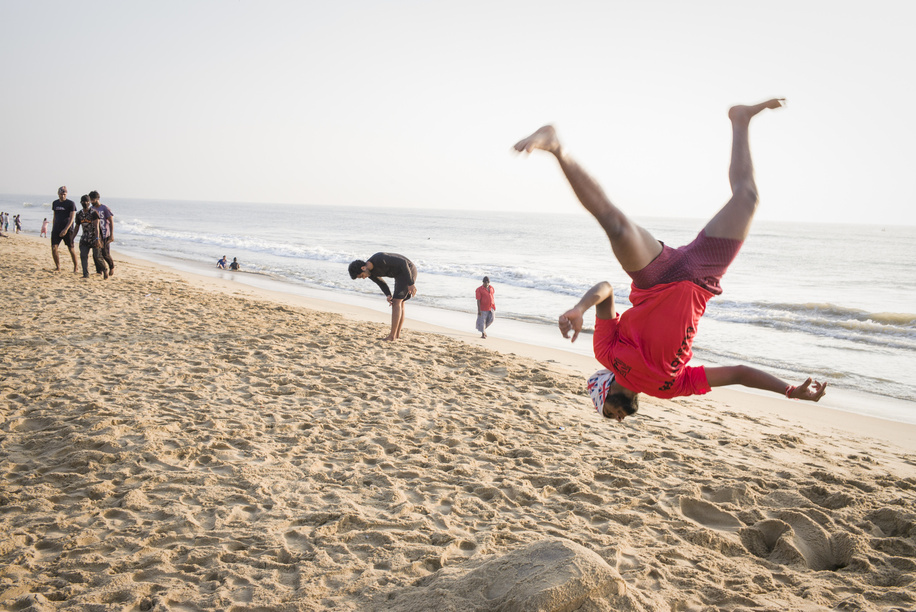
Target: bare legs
56,257
634,247
397,319
734,220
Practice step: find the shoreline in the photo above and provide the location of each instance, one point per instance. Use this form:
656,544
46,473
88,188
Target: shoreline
578,360
172,442
845,413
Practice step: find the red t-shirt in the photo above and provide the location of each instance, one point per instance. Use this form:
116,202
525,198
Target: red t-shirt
649,345
486,298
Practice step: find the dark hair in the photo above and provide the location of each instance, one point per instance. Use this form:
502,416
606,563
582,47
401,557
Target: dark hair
629,405
84,198
356,266
486,279
93,195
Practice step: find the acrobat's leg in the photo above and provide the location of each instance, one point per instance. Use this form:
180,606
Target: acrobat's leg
734,220
634,246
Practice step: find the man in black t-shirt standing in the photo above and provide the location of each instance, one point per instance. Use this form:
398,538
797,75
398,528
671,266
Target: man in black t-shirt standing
64,214
405,277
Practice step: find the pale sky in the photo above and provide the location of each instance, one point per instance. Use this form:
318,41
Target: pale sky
417,103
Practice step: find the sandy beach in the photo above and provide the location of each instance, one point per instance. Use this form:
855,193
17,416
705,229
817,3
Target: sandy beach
170,442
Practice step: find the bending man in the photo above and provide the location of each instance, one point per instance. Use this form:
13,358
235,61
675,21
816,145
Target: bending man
405,277
646,349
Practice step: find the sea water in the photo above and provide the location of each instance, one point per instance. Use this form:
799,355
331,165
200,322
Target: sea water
834,301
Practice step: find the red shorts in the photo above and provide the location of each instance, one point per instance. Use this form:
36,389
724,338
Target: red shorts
703,262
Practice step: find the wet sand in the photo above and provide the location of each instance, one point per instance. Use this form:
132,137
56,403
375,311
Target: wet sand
170,442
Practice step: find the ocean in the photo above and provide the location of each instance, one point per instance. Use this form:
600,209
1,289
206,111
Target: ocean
834,301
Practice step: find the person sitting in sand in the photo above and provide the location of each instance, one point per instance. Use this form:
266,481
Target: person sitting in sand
235,265
646,348
221,264
405,277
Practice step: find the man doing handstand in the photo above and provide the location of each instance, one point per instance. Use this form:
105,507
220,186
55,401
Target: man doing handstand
646,349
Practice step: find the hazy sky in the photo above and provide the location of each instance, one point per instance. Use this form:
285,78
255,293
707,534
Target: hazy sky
416,104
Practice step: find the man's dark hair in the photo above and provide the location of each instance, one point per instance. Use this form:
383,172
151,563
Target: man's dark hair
629,405
84,198
486,279
93,195
356,266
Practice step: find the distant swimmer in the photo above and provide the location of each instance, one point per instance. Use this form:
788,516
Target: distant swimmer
646,349
235,264
221,264
394,266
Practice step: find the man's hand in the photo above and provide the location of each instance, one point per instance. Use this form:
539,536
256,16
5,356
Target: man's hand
388,297
412,290
571,320
808,391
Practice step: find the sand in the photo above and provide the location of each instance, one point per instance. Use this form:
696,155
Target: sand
170,443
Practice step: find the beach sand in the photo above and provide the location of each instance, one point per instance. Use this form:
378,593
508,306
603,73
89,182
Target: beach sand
175,443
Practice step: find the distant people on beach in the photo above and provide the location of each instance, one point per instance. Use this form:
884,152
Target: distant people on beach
17,223
106,229
235,265
5,221
486,306
221,264
63,218
44,229
394,266
88,221
646,349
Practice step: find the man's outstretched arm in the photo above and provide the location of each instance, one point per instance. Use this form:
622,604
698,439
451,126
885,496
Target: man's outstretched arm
747,376
601,296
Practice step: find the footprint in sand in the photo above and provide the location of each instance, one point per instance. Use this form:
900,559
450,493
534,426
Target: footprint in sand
793,538
709,515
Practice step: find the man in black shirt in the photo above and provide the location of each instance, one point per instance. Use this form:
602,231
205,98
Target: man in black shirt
64,214
405,277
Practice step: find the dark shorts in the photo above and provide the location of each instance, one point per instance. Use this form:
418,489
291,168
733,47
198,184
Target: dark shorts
703,262
400,288
56,238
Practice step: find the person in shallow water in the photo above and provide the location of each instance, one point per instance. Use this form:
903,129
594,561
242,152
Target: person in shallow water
646,348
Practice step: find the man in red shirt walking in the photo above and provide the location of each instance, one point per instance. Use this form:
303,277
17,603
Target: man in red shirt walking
486,306
646,349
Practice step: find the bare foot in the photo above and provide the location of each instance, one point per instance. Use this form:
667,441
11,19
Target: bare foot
389,339
744,113
544,138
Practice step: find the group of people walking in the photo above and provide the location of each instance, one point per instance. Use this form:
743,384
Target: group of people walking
5,222
646,348
95,220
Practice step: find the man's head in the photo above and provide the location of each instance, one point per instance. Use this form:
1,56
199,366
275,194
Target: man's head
486,281
94,196
62,193
84,200
610,399
358,269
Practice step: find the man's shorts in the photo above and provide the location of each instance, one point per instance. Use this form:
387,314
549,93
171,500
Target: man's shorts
400,288
56,238
703,261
